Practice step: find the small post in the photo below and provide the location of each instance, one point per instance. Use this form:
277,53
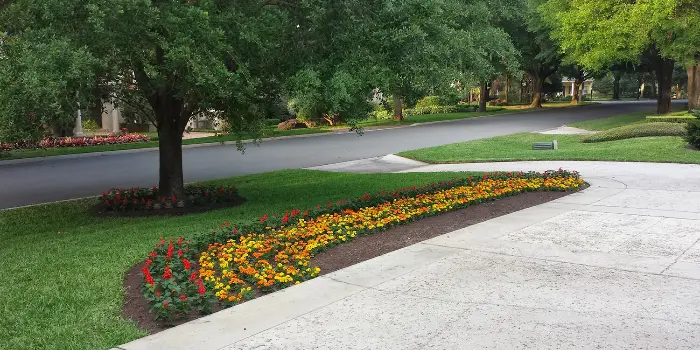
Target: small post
78,131
555,144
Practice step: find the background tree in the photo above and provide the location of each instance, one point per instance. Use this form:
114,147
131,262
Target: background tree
539,55
427,43
666,29
171,60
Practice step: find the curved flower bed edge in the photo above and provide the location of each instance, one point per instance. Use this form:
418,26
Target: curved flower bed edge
231,264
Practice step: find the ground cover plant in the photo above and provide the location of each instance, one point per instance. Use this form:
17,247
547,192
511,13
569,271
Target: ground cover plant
233,263
147,199
67,142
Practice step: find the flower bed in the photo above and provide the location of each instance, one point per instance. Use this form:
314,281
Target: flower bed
231,265
63,142
145,199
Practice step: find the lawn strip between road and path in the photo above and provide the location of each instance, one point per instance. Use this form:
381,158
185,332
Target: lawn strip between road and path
518,147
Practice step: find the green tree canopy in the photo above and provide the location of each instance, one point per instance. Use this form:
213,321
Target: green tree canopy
599,33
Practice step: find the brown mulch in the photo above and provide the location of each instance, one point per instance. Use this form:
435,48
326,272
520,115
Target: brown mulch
360,249
98,210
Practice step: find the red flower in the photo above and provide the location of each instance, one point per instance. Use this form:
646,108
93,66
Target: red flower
152,254
149,262
171,248
201,290
193,276
183,297
157,294
263,219
173,199
179,241
147,275
221,190
165,304
179,253
187,264
167,274
226,224
285,219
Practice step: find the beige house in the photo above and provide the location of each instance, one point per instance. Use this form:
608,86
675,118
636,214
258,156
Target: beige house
569,87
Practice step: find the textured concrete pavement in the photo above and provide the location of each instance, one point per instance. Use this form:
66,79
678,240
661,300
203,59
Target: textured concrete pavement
616,266
59,178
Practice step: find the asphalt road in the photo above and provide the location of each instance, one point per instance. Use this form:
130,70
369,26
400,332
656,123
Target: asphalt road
59,179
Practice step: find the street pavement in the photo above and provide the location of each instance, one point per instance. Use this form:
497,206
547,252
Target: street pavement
54,179
616,266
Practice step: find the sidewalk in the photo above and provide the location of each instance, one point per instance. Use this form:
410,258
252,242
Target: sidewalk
615,266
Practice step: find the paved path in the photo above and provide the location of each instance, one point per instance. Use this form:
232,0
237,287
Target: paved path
616,266
59,179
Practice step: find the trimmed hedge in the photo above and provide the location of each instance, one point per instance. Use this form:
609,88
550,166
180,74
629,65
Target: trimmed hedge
637,130
683,118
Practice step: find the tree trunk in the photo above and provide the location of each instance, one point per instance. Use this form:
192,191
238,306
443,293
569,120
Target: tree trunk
537,86
616,85
170,147
694,87
398,107
507,89
483,96
664,75
576,97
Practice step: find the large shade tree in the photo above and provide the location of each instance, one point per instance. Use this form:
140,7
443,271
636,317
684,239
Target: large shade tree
602,32
540,56
169,60
421,44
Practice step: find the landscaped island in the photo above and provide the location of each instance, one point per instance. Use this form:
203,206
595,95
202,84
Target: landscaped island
231,264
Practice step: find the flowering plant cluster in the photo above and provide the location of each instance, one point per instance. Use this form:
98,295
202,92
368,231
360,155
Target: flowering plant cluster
62,142
275,251
137,198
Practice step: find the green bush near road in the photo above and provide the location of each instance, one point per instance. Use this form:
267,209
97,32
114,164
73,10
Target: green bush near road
637,130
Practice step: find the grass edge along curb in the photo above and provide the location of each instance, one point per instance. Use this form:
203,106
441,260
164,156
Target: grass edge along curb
232,264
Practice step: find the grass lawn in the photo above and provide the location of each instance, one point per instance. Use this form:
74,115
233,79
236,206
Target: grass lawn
33,153
518,147
63,289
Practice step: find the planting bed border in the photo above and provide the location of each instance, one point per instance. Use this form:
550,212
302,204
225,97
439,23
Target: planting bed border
362,248
98,210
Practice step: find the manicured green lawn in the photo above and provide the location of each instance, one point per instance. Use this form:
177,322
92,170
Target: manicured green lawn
211,139
518,147
63,283
618,120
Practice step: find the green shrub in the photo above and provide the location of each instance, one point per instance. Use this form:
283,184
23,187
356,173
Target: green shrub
683,118
272,122
692,135
637,130
90,125
428,101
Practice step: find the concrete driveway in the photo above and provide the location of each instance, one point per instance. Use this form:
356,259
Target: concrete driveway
616,266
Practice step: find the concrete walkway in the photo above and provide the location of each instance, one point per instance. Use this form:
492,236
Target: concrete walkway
616,266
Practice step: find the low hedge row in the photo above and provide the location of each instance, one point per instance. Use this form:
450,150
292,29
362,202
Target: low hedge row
683,118
637,130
